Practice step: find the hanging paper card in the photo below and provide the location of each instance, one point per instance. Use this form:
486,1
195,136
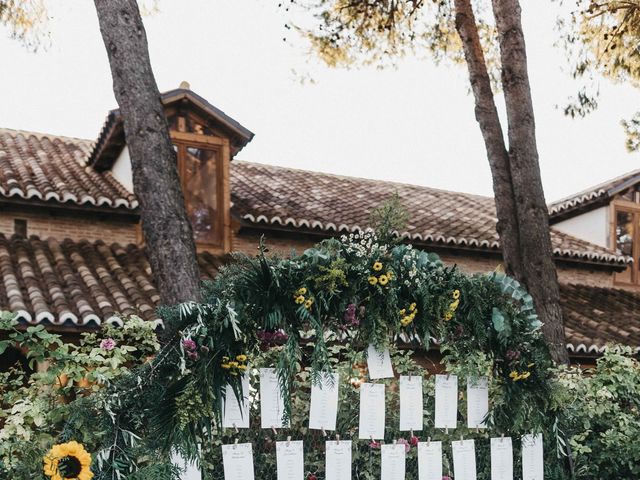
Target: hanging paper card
501,459
393,461
290,460
477,402
236,413
464,460
189,469
371,423
338,460
324,403
430,461
411,405
446,401
532,457
237,461
379,363
271,401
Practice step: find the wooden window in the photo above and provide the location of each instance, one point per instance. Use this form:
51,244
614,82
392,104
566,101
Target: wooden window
20,227
200,165
626,240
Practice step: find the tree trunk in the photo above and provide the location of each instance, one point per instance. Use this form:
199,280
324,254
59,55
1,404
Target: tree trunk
539,270
167,231
523,223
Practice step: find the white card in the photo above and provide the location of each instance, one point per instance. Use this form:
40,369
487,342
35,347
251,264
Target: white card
236,413
338,460
430,461
371,423
446,401
324,403
271,401
237,461
189,469
290,460
532,457
393,461
501,459
379,363
477,402
411,404
464,460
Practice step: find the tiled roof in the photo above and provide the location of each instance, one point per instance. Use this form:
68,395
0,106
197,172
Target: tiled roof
593,195
284,197
79,283
83,284
597,316
53,169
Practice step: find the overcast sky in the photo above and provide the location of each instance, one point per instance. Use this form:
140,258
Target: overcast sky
412,124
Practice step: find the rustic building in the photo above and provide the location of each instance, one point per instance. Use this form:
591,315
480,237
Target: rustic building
72,255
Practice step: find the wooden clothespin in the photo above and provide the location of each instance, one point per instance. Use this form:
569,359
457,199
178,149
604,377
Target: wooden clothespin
273,429
288,441
428,441
324,433
502,438
236,428
235,444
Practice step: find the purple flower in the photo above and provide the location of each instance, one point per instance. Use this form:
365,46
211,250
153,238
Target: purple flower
108,344
189,345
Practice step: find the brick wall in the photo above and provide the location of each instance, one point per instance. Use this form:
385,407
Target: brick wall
467,262
70,225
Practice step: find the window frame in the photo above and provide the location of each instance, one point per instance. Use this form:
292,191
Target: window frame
183,140
625,206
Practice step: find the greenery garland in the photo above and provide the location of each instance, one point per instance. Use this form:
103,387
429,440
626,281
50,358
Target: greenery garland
301,312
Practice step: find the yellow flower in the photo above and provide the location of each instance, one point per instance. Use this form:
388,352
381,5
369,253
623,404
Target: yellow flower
225,359
530,365
390,274
383,279
299,299
301,291
514,375
402,312
454,305
242,367
70,457
373,280
412,307
241,358
525,375
448,316
226,366
377,266
233,364
456,294
406,321
308,304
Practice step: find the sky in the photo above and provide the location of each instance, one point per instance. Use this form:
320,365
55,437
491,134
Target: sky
412,124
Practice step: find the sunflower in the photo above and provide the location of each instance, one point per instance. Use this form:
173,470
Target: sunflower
68,461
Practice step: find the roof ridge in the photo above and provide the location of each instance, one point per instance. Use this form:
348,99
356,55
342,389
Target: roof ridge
594,188
351,177
41,135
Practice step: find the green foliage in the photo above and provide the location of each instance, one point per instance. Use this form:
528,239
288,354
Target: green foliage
390,219
304,315
602,414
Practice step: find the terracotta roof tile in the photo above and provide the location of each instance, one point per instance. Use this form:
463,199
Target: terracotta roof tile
593,194
36,166
79,283
596,316
284,197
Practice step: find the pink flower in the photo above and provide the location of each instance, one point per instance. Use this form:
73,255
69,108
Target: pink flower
189,345
413,441
402,441
374,444
108,344
446,478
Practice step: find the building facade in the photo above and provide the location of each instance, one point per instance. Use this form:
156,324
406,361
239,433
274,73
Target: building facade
72,256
